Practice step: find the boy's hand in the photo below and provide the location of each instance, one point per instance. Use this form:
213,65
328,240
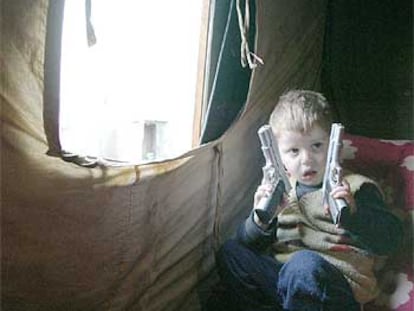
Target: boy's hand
344,191
265,190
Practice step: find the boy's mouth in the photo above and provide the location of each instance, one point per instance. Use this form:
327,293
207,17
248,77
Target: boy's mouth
309,174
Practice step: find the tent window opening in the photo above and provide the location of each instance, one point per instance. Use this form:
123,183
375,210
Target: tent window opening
130,78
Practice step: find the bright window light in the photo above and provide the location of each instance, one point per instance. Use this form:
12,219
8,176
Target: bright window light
131,96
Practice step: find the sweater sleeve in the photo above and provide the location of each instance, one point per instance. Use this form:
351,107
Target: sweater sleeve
253,236
373,226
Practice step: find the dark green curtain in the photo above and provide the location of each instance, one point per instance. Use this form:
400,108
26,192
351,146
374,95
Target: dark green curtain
227,81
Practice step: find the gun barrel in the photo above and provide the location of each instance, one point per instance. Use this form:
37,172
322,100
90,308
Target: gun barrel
333,172
265,135
271,153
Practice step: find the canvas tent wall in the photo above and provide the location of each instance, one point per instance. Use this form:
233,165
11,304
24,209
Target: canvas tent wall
136,237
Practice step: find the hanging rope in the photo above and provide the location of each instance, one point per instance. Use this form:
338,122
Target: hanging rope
247,57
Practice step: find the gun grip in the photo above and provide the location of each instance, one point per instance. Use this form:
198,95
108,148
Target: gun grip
336,209
266,208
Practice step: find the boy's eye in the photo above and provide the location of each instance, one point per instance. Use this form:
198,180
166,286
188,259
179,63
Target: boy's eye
317,146
294,151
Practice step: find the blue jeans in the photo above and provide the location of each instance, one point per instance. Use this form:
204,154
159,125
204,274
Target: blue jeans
307,282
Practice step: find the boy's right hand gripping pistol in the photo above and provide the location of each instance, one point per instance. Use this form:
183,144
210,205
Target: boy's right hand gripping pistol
273,174
333,173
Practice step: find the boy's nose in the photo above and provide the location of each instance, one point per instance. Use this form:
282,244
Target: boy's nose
306,157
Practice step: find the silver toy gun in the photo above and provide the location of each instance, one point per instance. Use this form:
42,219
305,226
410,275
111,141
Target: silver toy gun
273,173
333,173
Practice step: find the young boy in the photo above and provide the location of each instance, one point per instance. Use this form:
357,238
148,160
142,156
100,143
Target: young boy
302,260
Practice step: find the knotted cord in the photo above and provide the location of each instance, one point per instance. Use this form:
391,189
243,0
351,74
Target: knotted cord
247,57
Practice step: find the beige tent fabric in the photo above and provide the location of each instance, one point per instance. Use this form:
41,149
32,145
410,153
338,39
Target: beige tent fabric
136,237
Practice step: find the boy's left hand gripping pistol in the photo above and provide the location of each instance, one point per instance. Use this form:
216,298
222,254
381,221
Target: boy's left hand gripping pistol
333,173
273,174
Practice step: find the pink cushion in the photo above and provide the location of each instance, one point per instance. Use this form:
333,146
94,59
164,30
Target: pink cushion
391,164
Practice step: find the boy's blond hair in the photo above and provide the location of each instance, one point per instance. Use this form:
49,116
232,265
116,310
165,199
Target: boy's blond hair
299,111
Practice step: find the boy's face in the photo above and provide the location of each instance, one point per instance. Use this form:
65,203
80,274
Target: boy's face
304,154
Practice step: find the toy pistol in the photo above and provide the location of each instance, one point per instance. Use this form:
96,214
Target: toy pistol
333,173
273,174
